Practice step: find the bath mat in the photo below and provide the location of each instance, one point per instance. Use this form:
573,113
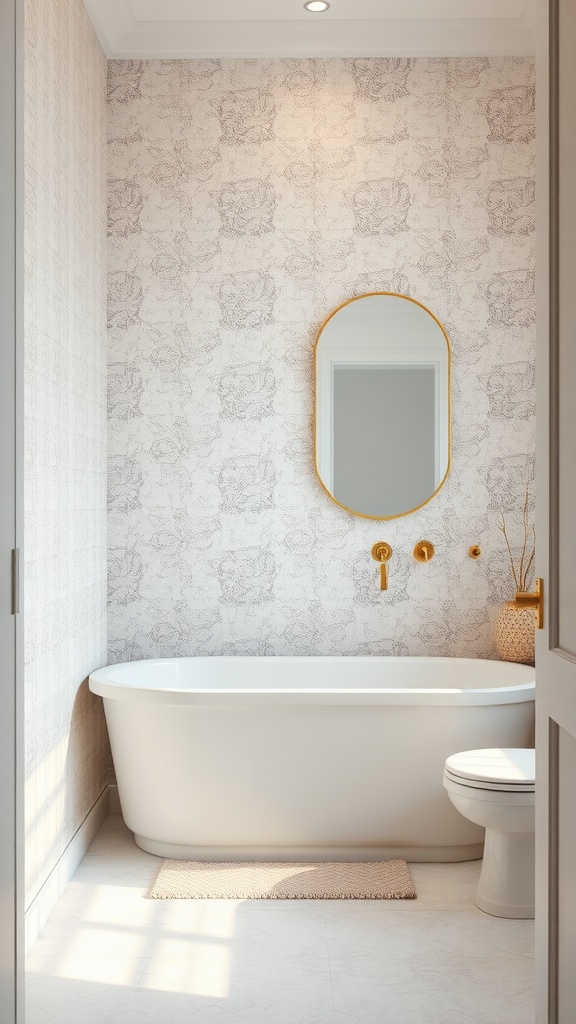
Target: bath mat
200,880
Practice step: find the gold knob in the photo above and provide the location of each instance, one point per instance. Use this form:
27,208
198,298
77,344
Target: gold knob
381,551
424,551
475,551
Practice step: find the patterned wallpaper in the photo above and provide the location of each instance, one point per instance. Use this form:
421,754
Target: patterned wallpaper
247,199
65,425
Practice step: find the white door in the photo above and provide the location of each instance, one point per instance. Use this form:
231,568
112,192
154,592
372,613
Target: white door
556,518
11,909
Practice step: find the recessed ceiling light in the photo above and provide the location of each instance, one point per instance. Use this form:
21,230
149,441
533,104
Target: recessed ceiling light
317,5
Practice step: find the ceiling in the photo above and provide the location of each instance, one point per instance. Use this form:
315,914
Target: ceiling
282,28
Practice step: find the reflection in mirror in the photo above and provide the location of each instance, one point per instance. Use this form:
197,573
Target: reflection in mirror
382,405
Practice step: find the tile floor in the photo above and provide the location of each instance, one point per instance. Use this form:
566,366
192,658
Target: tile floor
109,956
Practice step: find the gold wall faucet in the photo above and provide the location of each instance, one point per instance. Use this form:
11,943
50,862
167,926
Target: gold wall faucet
382,552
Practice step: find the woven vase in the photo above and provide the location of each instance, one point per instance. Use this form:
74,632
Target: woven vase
515,633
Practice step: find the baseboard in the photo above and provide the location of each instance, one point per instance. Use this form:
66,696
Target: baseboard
46,899
114,799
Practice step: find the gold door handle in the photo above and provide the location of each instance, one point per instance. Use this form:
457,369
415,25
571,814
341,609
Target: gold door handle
535,601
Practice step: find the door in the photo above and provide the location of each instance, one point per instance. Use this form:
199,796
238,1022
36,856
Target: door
556,518
11,904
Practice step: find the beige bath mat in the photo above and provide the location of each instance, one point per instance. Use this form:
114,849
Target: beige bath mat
199,880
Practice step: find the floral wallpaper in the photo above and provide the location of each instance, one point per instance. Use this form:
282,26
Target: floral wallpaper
247,199
67,762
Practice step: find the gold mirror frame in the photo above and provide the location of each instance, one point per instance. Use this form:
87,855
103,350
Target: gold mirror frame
399,515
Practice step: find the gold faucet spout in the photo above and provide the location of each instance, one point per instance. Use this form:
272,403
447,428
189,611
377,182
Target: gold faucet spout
383,576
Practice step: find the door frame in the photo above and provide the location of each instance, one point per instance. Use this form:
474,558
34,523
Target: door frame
11,517
556,661
544,925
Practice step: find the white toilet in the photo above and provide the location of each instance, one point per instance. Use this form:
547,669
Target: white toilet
495,788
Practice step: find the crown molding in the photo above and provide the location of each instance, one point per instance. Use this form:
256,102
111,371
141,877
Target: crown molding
528,19
113,23
122,37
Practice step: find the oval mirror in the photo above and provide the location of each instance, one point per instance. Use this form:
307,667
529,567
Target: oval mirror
382,410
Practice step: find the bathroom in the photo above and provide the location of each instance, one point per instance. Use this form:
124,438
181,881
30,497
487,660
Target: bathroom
199,197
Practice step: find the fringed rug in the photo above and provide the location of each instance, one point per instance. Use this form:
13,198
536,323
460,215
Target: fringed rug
199,880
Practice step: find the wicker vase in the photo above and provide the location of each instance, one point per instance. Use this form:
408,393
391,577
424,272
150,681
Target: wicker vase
515,632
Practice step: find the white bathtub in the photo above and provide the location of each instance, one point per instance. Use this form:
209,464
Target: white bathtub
305,758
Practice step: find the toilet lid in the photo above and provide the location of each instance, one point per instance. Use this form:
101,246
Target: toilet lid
510,768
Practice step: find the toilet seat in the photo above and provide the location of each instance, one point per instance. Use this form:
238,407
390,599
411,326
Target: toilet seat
500,769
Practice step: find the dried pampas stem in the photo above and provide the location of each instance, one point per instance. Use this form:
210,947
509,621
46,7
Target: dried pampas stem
526,564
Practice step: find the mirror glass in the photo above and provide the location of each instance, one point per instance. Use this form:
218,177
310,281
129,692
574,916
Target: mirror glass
382,405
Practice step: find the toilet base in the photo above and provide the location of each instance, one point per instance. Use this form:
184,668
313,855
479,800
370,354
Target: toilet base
506,885
525,913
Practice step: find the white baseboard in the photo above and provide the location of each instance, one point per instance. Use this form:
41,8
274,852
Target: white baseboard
114,799
46,899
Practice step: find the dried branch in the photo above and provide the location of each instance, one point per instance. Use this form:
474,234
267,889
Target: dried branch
502,526
525,518
530,560
526,562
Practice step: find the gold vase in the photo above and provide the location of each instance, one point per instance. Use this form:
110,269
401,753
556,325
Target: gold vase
515,633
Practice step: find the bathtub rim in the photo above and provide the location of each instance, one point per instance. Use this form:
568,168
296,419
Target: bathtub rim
112,689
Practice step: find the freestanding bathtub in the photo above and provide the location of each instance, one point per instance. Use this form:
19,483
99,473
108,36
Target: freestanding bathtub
305,758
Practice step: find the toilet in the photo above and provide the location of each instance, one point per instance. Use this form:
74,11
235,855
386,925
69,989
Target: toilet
495,788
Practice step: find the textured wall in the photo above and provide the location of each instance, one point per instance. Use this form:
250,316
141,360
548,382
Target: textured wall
248,199
65,426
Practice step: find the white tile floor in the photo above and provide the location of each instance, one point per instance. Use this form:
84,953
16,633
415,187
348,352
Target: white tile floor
109,955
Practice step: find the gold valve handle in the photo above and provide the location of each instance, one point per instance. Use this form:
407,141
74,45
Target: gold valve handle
535,601
424,551
381,551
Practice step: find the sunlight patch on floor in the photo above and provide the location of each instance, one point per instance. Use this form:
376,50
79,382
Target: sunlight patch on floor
188,953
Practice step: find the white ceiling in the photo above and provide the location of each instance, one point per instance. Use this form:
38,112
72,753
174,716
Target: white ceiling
292,10
282,28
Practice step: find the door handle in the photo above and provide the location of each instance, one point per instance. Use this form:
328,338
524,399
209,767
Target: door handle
15,581
535,601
